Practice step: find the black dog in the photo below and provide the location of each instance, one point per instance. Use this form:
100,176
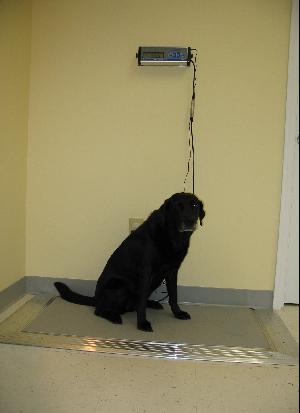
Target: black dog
150,254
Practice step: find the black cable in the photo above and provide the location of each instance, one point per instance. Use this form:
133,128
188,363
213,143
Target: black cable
191,133
167,295
192,118
193,151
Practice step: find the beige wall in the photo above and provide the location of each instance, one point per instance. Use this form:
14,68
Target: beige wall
15,35
108,139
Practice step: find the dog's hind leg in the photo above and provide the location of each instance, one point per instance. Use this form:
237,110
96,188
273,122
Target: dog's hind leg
109,305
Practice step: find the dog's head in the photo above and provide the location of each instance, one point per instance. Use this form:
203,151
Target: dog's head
185,209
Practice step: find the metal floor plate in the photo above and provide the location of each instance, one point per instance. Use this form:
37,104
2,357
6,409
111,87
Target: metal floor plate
284,349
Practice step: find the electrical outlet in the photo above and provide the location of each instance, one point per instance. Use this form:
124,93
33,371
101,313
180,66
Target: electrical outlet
134,223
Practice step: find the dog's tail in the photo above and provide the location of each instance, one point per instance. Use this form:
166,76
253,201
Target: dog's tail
67,294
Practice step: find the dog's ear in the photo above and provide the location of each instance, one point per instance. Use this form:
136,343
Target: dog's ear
167,205
201,212
168,202
162,215
167,209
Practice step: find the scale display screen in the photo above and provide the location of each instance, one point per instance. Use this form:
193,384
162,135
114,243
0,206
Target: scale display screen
164,56
153,55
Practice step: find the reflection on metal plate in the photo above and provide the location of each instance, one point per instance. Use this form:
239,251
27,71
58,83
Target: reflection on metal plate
285,348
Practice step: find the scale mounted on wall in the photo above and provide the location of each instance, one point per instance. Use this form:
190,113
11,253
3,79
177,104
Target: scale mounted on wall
164,56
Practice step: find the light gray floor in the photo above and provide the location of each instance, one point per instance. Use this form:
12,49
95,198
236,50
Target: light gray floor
209,325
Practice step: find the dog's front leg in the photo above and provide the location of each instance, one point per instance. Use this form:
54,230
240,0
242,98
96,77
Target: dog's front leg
144,289
171,280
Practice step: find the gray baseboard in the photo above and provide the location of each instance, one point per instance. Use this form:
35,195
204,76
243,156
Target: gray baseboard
12,293
226,296
46,285
196,295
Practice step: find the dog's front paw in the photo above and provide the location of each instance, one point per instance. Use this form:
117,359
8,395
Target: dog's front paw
182,315
145,326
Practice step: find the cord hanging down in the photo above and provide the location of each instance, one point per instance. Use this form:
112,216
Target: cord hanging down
191,133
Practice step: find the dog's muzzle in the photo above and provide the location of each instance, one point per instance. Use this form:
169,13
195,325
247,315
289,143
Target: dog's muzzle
188,227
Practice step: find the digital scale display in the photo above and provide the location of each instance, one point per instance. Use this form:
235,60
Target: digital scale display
153,55
164,56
